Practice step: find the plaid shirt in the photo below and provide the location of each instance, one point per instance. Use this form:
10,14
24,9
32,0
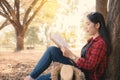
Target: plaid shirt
95,59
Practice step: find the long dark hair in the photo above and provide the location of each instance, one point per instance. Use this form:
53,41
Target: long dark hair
97,17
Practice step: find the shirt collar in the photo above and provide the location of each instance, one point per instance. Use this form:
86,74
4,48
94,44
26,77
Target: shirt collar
96,39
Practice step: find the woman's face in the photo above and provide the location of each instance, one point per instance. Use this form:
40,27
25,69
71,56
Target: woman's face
91,28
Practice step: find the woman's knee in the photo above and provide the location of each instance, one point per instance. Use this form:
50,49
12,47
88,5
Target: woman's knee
52,48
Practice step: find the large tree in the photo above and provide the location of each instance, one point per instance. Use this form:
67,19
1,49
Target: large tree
12,15
101,6
113,23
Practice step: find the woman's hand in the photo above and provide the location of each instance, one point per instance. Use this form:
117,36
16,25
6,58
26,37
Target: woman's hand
66,52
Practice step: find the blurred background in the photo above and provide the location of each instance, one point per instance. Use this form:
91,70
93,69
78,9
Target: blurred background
65,17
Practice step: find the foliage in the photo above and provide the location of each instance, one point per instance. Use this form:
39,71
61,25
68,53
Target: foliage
9,38
31,37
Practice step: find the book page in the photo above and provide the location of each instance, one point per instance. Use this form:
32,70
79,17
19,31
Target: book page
58,40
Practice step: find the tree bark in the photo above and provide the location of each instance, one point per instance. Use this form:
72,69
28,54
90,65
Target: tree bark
20,42
101,6
20,33
113,68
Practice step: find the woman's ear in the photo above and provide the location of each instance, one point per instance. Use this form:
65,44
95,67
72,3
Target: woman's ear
98,25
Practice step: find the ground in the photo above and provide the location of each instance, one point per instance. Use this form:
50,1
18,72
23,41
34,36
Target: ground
15,66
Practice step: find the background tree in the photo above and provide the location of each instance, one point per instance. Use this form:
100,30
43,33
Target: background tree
31,37
9,39
11,12
101,6
114,28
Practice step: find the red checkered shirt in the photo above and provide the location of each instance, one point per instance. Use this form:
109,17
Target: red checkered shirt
95,59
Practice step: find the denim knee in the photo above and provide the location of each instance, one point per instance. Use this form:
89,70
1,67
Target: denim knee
52,48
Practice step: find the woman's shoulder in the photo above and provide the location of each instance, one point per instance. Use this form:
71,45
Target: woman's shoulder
100,42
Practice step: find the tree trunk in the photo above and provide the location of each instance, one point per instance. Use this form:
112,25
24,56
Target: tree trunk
113,69
20,40
101,6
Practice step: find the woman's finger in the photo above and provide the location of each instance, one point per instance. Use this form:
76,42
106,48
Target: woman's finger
62,49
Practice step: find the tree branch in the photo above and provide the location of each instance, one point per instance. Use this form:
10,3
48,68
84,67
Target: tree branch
4,15
16,8
10,20
28,11
5,24
3,8
12,12
12,17
36,11
10,9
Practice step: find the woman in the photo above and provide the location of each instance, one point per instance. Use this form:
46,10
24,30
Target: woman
93,55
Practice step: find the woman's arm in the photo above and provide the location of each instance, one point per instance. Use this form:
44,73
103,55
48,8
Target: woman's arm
68,53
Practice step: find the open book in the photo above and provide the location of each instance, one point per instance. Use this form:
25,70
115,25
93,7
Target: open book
58,40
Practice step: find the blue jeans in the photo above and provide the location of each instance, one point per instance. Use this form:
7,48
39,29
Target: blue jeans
52,54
